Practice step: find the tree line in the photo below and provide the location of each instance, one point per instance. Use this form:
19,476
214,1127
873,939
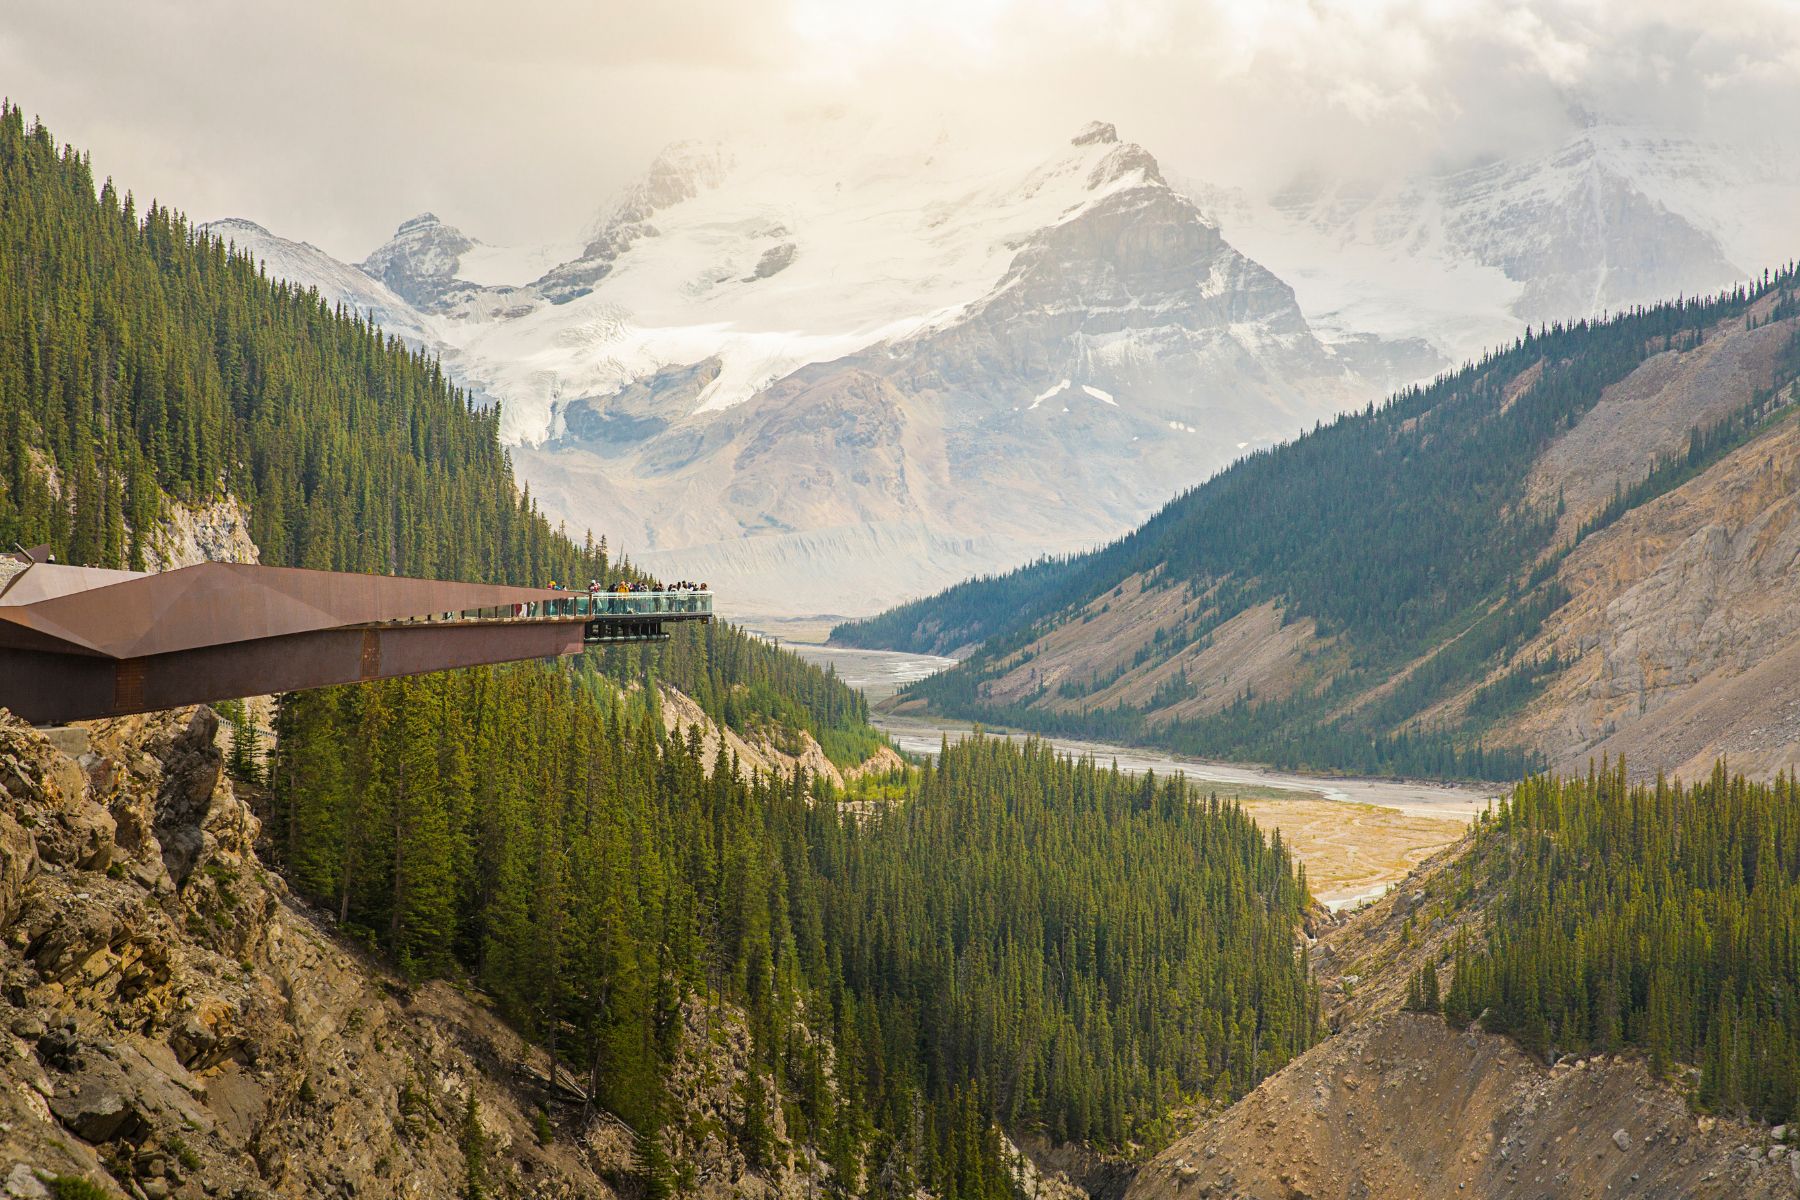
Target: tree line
143,363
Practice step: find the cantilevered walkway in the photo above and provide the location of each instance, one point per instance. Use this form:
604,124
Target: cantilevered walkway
78,643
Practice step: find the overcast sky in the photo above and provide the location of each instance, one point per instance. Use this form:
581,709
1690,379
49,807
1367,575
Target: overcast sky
332,120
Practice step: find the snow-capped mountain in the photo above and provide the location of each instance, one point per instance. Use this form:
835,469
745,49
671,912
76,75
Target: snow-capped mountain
834,359
437,267
1612,217
900,389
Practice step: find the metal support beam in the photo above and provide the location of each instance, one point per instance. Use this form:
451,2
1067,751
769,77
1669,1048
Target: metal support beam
54,688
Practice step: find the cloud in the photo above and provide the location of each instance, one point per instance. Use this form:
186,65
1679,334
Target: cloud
334,120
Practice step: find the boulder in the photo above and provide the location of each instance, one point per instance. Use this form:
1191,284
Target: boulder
22,1183
97,1110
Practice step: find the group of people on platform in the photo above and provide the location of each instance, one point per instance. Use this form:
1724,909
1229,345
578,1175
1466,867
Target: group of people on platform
622,588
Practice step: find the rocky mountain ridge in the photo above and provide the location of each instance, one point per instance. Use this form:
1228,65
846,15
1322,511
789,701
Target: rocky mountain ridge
1610,216
926,295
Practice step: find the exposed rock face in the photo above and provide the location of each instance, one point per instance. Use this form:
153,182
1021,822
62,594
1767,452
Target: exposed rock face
1683,632
176,1025
215,532
1095,131
1069,1171
775,260
1406,1108
777,753
419,262
1403,1107
681,172
1684,629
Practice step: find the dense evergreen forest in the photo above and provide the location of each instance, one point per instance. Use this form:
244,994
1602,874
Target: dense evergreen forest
1403,531
143,364
1658,916
1008,935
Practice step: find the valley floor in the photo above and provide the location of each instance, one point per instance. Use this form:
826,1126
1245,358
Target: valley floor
1357,837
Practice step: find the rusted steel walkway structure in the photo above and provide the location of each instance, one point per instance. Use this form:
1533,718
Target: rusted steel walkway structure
78,642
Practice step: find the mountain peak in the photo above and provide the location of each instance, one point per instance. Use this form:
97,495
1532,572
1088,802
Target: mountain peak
425,220
229,225
682,171
420,261
1101,133
1122,160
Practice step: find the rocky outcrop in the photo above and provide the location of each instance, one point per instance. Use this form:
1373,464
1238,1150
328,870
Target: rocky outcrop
419,262
775,260
176,1025
771,752
1407,1108
218,531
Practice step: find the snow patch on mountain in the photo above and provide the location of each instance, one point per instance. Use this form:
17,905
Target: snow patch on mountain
1616,215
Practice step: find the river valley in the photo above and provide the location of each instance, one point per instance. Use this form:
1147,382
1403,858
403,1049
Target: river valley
1357,836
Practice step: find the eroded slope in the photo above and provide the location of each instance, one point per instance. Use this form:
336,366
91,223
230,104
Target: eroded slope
1404,1106
176,1025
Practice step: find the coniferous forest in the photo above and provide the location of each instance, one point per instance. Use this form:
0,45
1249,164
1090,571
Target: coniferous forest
1659,916
144,364
1009,935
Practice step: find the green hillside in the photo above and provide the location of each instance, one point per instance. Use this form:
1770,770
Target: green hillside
1403,534
1010,935
1660,917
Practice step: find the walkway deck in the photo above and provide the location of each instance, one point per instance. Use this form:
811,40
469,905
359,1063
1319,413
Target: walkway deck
78,644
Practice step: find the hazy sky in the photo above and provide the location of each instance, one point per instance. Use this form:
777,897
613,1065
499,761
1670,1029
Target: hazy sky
332,120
